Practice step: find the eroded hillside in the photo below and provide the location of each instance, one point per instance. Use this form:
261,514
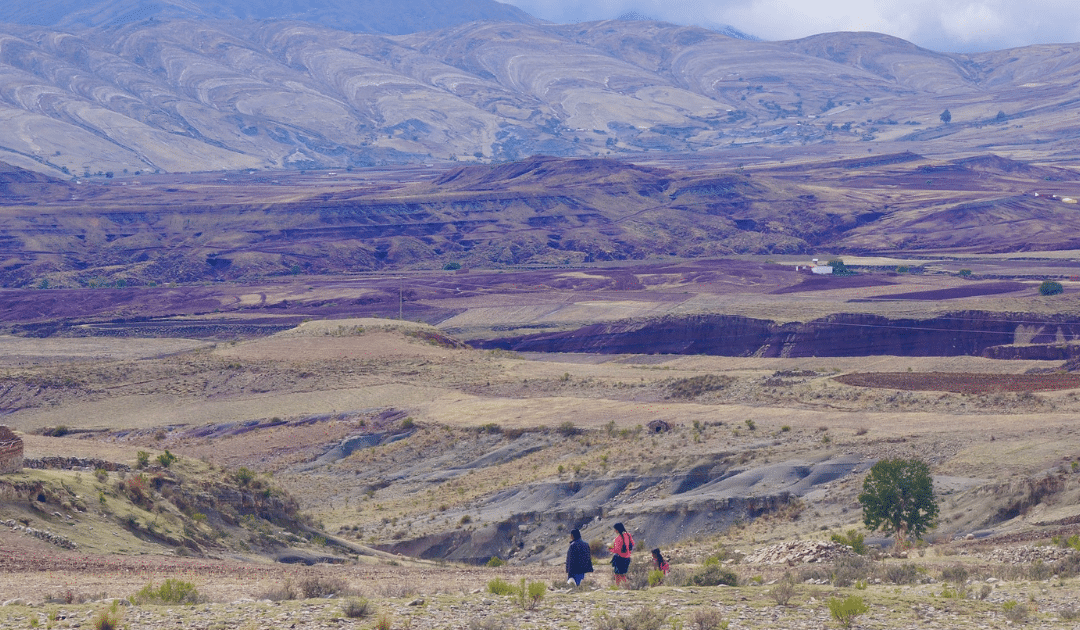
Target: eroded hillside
173,93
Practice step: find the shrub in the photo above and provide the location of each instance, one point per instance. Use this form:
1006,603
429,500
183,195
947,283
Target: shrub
488,623
244,476
282,592
1015,611
598,548
101,475
385,622
656,577
1040,571
535,593
846,611
568,429
643,619
499,586
166,459
322,586
170,592
496,562
707,619
142,459
850,569
1049,287
853,539
905,573
107,619
357,608
783,591
957,573
1069,613
713,575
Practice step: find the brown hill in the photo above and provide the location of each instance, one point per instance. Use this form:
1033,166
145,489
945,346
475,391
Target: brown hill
198,95
540,211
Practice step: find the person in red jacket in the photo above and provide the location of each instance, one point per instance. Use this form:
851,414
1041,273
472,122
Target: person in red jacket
620,550
661,564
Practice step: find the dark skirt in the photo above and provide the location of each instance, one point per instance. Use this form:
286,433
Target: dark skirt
620,564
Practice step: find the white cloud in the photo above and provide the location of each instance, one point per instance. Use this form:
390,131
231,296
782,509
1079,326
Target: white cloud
945,25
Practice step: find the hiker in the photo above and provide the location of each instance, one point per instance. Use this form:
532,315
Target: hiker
620,559
578,559
659,561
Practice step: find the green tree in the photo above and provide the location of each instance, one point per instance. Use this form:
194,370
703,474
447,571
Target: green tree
946,117
898,497
1049,287
839,268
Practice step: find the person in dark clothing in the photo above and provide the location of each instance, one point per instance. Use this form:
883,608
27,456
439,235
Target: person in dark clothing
578,559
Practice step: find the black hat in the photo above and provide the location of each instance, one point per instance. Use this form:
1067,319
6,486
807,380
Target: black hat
575,534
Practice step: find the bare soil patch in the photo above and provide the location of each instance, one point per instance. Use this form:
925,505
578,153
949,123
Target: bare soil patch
951,293
963,383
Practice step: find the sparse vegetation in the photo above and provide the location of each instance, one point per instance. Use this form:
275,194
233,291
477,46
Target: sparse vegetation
846,610
169,592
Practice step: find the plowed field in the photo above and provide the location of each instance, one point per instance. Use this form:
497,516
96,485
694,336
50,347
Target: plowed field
963,383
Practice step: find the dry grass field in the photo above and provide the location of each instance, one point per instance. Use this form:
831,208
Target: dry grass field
387,460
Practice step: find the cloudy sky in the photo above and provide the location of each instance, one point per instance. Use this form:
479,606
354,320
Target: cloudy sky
942,25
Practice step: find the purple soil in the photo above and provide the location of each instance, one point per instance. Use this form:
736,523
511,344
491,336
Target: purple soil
826,283
952,293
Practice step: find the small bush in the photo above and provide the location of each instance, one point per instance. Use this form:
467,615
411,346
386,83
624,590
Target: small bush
496,562
905,573
170,592
854,539
385,622
846,611
713,575
322,586
598,548
107,619
1069,613
656,578
1040,571
166,459
488,623
1049,287
357,608
644,619
850,569
280,593
568,429
1015,611
244,476
101,475
783,591
535,594
499,586
142,459
957,573
707,619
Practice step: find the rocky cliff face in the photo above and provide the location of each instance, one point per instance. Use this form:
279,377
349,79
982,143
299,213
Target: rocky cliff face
842,335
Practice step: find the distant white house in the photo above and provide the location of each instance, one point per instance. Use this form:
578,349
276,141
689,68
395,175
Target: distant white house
822,270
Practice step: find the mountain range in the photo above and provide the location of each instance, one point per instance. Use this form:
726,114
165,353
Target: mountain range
174,86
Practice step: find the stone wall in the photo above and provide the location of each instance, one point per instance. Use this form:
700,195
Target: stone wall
11,451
